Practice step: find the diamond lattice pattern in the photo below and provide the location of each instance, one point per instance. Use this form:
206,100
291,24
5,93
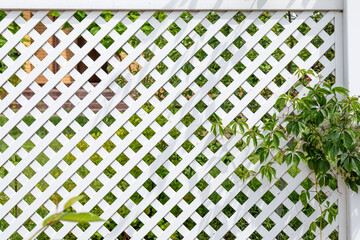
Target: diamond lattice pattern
118,106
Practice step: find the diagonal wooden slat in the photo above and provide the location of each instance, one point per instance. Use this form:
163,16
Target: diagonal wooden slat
19,35
175,71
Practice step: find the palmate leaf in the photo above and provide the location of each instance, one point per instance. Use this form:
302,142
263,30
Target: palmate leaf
322,130
268,171
289,127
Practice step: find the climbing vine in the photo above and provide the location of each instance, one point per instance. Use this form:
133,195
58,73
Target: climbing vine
320,128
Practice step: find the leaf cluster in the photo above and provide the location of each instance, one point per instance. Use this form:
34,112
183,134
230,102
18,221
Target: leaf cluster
319,127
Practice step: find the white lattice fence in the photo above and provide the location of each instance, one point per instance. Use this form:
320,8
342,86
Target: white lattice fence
138,142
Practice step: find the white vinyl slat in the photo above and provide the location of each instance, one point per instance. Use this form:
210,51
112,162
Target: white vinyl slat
152,143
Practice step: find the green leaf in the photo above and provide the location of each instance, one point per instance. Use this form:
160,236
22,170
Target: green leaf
264,155
289,127
281,102
245,124
322,182
324,91
288,158
276,140
233,127
81,217
94,30
248,139
296,159
296,128
66,25
324,166
214,128
2,41
54,13
53,218
348,140
346,161
279,157
319,118
321,99
120,28
356,165
311,164
335,137
80,15
341,90
221,131
333,153
280,134
72,201
268,171
255,141
312,227
300,154
353,186
303,198
330,218
241,127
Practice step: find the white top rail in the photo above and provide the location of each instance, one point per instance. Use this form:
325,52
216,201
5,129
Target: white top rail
173,5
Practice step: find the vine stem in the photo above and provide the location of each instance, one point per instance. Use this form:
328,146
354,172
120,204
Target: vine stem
43,228
38,231
318,200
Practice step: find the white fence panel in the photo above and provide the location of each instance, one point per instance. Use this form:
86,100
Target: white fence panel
118,107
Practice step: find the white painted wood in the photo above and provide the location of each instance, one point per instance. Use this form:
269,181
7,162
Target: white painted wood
351,81
226,121
176,5
66,149
223,96
137,105
341,81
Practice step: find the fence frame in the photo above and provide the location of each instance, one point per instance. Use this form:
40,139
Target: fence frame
174,5
346,39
